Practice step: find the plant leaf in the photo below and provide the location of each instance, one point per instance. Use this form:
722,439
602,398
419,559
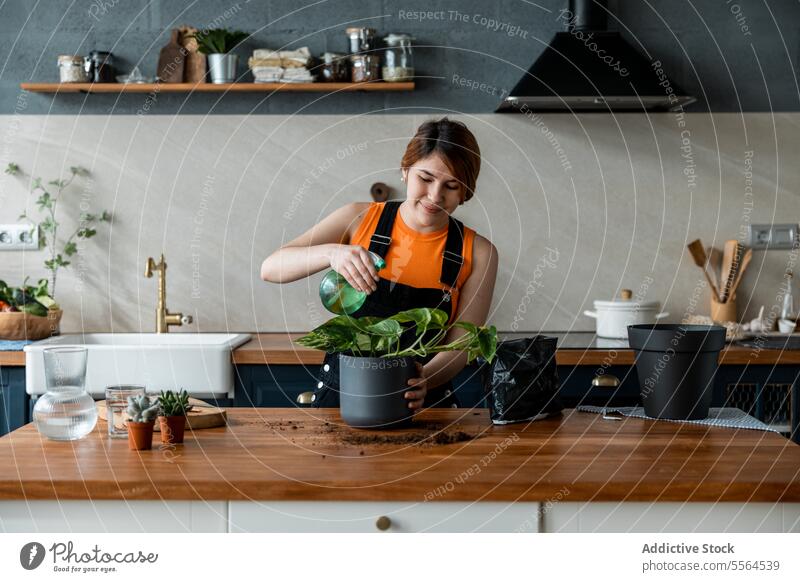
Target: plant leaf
70,249
12,169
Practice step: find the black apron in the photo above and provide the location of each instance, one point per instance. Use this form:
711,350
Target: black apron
388,299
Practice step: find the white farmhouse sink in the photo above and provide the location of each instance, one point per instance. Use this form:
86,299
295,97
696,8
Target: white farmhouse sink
200,363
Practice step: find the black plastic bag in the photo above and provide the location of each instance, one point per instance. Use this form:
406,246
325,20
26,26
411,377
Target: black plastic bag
521,383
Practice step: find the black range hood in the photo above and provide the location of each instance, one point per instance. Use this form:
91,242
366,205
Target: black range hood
588,68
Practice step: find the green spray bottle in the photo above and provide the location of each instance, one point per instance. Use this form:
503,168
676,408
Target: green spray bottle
338,296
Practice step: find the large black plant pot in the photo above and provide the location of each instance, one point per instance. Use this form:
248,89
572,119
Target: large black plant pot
372,391
675,364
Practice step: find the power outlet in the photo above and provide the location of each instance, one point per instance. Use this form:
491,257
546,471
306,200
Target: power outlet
19,237
773,237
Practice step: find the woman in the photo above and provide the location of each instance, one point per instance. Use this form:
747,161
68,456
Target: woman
432,259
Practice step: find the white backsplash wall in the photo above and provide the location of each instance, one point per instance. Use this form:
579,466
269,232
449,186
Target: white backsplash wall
579,207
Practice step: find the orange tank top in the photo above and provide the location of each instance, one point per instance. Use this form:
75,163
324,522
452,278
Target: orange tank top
415,258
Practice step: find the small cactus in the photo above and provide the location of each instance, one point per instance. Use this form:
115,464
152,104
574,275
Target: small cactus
174,404
142,409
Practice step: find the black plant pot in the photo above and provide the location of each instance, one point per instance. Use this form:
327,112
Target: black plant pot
372,391
675,364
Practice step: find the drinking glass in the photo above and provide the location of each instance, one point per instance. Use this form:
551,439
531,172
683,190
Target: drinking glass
116,404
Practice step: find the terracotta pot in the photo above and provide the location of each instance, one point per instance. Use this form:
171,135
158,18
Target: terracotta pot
140,435
172,428
18,325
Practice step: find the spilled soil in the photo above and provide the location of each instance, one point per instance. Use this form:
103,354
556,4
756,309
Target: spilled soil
419,433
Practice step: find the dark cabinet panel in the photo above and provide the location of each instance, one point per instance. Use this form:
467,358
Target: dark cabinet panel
14,402
767,392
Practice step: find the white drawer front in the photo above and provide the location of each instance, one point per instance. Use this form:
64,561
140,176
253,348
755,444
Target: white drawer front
368,516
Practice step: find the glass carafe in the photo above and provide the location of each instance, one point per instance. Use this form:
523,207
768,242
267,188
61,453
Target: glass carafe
338,296
66,412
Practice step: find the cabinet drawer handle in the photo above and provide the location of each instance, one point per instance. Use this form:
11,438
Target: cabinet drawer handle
605,381
306,398
383,523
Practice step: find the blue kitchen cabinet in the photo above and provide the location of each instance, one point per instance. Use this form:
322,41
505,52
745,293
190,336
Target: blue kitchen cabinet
273,386
279,385
769,393
14,401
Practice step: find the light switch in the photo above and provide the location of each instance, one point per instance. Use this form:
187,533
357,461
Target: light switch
19,237
773,236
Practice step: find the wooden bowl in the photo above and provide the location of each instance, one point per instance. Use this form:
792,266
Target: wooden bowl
17,325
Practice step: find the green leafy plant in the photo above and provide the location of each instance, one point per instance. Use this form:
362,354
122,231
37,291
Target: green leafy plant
48,198
375,336
218,40
29,299
142,408
174,404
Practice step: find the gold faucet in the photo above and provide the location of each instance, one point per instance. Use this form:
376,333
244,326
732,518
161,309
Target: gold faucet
164,318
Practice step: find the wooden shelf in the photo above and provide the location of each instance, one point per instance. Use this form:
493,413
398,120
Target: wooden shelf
212,88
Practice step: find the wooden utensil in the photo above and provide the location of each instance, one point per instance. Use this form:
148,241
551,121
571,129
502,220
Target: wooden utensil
714,262
202,415
730,261
748,255
698,253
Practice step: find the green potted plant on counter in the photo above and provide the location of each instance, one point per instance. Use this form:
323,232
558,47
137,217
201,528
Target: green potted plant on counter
142,413
376,358
173,407
217,44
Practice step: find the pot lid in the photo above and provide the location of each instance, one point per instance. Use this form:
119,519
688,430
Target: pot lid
625,302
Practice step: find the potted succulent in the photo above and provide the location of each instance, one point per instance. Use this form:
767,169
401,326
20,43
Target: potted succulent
376,358
141,418
172,417
217,44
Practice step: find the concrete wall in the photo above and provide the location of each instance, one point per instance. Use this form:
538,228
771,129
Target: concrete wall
732,54
617,198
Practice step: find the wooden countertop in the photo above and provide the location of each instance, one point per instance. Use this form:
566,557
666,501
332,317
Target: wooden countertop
279,348
577,456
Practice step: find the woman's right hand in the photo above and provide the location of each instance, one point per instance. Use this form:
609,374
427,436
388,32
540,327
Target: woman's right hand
354,263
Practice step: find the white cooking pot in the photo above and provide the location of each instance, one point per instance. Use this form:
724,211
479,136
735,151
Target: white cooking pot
614,317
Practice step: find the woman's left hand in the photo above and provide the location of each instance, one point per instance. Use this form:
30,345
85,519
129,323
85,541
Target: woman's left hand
416,396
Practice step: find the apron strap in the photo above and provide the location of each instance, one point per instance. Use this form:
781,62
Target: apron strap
453,260
382,237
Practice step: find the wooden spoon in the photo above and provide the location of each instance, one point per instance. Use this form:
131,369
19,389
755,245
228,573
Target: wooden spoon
714,262
730,260
698,253
748,254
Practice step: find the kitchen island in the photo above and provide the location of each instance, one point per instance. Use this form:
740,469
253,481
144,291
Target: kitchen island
301,470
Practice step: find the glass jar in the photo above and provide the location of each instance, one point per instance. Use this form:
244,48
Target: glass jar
398,64
334,68
364,68
66,412
100,67
361,39
70,69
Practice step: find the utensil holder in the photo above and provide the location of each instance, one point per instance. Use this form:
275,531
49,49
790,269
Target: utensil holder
723,311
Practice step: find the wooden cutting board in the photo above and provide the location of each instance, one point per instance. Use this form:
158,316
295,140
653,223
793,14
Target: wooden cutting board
202,415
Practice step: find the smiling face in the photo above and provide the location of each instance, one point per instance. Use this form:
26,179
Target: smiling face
432,194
